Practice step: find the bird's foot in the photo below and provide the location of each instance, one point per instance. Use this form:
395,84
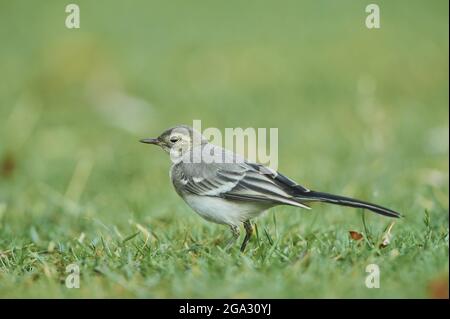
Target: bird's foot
235,235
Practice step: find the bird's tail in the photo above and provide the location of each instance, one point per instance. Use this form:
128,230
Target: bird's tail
312,196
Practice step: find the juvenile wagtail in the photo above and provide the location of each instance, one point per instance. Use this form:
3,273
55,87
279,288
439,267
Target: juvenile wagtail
224,188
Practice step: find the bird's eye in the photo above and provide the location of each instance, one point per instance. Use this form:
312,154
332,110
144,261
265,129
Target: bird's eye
174,139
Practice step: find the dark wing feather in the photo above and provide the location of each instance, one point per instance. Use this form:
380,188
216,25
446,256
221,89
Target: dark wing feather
238,181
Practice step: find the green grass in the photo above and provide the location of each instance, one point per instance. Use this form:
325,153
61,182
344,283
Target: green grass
360,112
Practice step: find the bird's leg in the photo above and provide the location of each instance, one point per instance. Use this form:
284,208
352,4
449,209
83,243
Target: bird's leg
248,234
235,231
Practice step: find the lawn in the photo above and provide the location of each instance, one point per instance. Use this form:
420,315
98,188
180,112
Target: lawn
360,112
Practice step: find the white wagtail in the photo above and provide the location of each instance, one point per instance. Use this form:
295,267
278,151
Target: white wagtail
224,188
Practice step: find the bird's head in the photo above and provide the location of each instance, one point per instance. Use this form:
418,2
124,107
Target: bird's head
177,140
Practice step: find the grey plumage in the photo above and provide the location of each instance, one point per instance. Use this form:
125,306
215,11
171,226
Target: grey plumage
230,190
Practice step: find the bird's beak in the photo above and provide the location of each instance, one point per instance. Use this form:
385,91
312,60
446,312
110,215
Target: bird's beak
153,141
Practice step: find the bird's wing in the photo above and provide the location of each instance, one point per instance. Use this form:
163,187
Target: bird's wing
238,181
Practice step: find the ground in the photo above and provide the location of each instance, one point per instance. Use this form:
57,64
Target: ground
359,112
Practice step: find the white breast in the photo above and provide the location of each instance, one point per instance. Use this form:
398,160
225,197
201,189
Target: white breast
222,211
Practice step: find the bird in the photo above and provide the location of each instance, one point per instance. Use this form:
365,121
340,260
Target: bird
224,188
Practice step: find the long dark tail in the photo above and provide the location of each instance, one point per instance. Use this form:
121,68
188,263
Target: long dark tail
345,201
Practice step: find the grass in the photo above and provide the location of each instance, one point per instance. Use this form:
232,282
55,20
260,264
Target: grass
360,112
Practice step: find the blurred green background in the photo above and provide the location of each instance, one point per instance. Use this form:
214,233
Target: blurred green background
360,112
